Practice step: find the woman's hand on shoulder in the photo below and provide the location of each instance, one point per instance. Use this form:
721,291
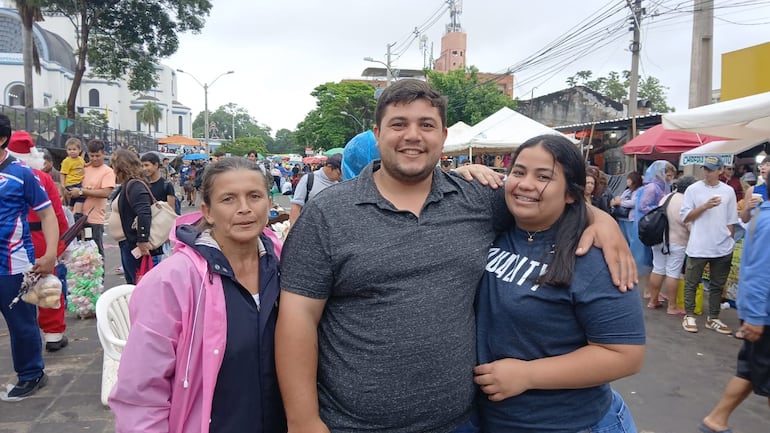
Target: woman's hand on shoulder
502,379
604,233
483,174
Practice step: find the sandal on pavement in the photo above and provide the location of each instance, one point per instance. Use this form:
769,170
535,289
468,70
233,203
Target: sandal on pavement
676,313
652,306
705,429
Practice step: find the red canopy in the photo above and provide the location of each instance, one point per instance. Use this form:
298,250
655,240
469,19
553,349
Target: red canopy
658,143
313,159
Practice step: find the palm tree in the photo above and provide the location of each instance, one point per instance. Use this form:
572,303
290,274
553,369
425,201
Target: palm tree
29,13
149,114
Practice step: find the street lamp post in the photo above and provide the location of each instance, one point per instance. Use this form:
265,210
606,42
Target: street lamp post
388,70
360,123
206,103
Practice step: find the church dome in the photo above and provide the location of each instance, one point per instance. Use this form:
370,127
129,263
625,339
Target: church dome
51,47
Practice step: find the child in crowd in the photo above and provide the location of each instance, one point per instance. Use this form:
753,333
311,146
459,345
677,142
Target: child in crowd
72,171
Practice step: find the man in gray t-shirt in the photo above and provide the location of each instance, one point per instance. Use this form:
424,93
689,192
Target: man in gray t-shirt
376,327
323,178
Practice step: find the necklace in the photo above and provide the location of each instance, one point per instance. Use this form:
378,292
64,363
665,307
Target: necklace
531,235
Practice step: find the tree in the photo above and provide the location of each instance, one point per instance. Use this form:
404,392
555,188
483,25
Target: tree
243,145
284,143
118,38
225,116
150,114
29,13
616,86
96,117
325,127
651,89
469,100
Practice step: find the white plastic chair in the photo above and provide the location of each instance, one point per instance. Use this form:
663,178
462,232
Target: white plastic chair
112,325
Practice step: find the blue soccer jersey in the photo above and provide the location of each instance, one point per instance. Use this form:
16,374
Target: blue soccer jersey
20,190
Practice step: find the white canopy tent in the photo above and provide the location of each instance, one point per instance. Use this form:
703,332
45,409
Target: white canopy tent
747,117
502,132
727,150
457,131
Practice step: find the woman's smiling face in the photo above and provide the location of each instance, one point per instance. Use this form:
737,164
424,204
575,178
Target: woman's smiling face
536,189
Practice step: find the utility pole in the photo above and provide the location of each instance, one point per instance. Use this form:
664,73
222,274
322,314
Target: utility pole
635,48
701,59
389,73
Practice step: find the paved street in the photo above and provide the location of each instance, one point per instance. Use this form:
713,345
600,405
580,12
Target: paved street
683,377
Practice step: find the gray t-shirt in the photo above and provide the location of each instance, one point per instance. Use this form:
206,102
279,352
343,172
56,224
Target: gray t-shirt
397,337
320,183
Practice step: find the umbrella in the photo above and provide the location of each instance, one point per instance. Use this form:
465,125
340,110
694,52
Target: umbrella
194,157
313,159
180,140
334,151
72,232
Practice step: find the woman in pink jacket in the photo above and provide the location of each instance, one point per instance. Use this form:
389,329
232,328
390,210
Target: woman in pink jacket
199,357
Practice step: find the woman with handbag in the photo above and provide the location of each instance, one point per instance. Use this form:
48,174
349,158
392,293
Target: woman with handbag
200,356
134,202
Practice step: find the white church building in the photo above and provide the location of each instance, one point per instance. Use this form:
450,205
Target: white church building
55,38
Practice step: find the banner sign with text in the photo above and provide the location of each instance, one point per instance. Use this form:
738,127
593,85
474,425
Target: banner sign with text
727,158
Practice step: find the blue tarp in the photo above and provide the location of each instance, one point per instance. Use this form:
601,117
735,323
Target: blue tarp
359,152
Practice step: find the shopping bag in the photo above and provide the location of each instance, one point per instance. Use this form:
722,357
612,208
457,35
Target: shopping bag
144,267
698,297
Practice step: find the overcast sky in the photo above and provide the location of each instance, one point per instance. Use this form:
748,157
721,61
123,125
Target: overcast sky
281,50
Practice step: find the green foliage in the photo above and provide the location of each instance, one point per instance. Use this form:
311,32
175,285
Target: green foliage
616,86
324,127
651,88
243,145
469,99
149,114
245,124
284,143
96,117
125,39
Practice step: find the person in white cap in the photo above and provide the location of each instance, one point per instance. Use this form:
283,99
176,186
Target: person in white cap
710,207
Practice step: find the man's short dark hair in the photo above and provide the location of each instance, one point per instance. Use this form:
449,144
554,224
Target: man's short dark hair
335,161
219,154
5,128
406,92
95,145
150,157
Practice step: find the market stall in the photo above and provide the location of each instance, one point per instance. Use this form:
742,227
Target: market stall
502,132
659,143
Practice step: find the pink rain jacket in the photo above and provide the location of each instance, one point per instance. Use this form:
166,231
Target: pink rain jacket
185,304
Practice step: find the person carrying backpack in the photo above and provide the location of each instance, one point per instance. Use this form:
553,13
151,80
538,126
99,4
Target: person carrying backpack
314,182
657,180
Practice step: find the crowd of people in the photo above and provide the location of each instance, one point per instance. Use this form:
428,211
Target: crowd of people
383,326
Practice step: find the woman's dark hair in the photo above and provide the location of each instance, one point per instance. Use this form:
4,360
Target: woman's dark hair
636,180
224,165
126,165
597,186
575,217
684,182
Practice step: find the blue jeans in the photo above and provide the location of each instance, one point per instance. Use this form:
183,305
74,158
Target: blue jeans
130,264
26,345
617,420
470,426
